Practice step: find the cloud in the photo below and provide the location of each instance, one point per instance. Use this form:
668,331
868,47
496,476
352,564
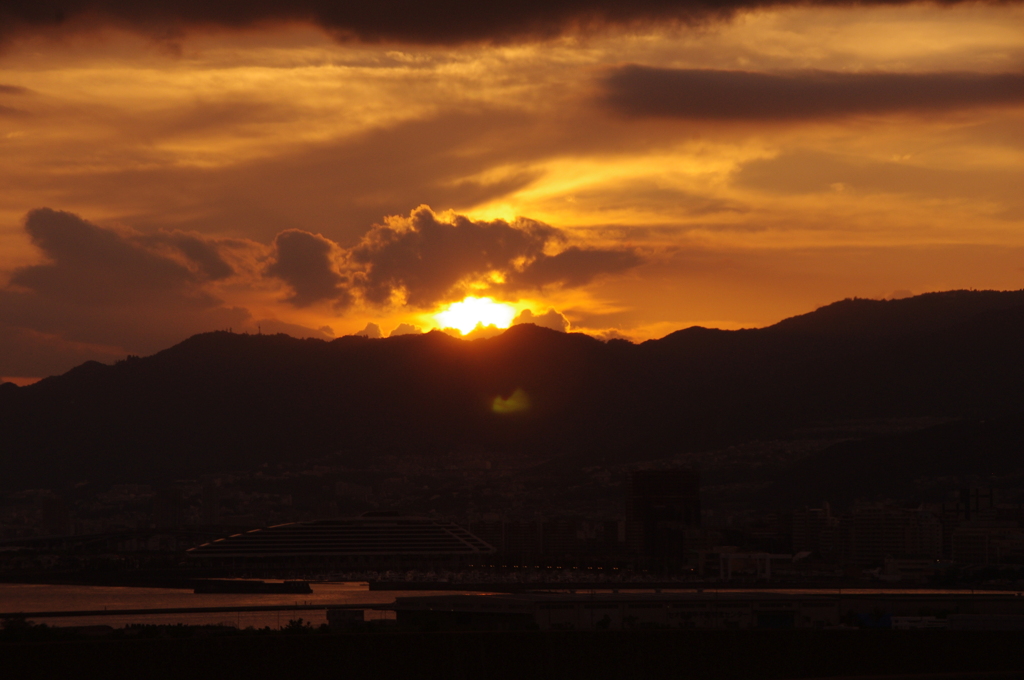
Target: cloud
105,292
742,95
549,319
426,258
573,267
10,111
405,329
101,292
481,332
372,330
91,265
803,171
272,326
306,262
381,171
612,334
437,22
203,252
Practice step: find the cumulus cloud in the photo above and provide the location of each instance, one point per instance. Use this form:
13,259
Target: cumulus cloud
741,95
405,329
481,332
272,326
426,258
612,334
549,319
372,330
306,262
436,22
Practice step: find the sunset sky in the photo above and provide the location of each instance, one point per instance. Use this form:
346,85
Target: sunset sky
623,170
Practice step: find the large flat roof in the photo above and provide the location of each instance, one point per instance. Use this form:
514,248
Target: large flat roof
348,537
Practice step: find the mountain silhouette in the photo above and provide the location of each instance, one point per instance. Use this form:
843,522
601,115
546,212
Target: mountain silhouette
220,401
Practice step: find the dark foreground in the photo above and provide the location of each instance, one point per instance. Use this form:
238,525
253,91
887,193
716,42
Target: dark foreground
693,655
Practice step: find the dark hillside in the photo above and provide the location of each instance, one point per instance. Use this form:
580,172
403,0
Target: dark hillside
223,401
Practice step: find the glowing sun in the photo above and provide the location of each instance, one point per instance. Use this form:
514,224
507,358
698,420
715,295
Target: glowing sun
473,311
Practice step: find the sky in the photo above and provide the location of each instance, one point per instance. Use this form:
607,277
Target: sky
323,168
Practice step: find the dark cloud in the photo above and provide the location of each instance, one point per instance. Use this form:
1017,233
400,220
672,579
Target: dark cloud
426,258
549,319
99,293
573,267
437,22
742,95
204,253
306,262
92,265
13,89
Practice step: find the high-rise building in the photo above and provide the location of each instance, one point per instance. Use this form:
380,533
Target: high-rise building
660,506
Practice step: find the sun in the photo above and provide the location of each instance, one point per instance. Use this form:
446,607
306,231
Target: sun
473,311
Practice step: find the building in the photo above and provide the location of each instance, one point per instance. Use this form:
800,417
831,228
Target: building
660,506
375,541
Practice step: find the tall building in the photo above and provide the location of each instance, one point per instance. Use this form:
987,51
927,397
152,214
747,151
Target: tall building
809,524
660,506
168,508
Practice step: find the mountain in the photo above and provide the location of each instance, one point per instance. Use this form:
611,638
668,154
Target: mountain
222,401
913,466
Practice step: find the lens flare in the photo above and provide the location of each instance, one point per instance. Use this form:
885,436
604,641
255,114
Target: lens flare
473,311
518,402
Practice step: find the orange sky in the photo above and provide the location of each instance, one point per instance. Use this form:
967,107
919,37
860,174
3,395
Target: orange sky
165,174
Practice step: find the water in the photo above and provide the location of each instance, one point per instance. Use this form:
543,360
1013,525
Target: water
39,598
16,597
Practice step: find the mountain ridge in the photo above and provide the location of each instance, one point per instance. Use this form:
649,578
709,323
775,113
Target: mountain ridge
221,400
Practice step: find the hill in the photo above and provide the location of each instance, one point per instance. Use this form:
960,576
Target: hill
220,401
